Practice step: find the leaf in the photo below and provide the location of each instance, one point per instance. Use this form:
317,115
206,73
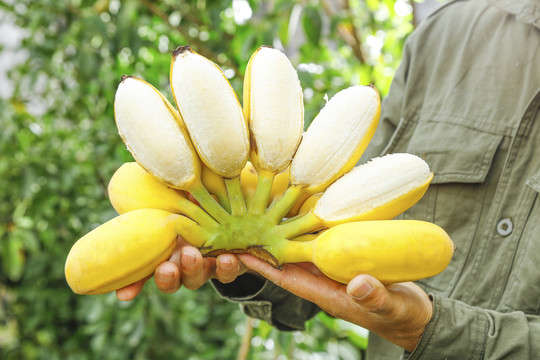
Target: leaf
13,257
312,23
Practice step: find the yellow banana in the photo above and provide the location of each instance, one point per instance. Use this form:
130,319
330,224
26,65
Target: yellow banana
390,250
308,204
121,251
132,188
249,179
215,184
127,249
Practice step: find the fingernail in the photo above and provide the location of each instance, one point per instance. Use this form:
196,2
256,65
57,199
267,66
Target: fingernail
188,260
360,289
164,275
226,264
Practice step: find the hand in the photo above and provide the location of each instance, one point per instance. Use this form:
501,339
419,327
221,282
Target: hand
397,312
187,267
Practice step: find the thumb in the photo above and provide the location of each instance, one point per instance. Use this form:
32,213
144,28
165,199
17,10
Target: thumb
368,292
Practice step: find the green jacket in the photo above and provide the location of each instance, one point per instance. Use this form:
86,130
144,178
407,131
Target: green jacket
465,98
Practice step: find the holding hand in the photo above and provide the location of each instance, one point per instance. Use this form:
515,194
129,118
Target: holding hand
397,312
187,267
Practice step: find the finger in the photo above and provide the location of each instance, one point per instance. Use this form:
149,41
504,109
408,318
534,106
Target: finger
295,278
370,293
305,282
227,268
193,269
177,252
167,277
129,292
311,268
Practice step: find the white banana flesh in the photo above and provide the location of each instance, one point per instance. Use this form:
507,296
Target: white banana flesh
152,132
335,135
210,111
274,109
371,185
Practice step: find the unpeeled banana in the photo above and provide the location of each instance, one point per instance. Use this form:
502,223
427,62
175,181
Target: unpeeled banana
202,149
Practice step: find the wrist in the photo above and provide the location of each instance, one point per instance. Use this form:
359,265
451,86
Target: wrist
411,341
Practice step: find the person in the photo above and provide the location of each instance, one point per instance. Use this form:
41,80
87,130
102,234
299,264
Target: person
465,98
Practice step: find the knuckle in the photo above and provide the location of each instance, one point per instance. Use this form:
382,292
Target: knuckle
170,289
225,279
375,302
192,285
281,283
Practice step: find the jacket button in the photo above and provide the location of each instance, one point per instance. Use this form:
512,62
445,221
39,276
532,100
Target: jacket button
505,227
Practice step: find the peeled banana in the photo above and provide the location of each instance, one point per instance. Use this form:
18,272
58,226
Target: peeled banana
378,190
336,138
260,185
154,134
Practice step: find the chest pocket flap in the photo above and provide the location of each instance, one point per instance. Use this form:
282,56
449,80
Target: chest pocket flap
455,153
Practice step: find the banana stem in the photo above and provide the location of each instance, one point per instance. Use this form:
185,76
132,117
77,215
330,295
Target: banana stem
296,251
279,209
215,185
236,196
259,202
208,203
192,232
191,210
224,200
300,225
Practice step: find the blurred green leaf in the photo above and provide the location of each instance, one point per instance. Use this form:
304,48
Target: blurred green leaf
60,147
13,258
312,23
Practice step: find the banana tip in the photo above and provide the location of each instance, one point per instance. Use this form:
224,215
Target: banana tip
179,50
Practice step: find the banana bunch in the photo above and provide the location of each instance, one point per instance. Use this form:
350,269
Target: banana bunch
249,180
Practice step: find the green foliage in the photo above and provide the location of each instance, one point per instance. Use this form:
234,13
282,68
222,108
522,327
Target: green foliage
59,148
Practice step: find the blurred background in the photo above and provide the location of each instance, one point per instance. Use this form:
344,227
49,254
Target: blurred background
60,64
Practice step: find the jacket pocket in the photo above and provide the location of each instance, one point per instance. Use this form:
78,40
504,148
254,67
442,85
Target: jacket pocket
461,158
523,286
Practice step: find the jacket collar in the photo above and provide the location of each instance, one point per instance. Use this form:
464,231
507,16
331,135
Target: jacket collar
526,11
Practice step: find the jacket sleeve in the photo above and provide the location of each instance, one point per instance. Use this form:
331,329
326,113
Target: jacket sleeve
461,331
261,299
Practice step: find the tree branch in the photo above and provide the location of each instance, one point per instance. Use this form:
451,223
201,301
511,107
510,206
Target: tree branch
414,14
243,352
349,33
199,46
